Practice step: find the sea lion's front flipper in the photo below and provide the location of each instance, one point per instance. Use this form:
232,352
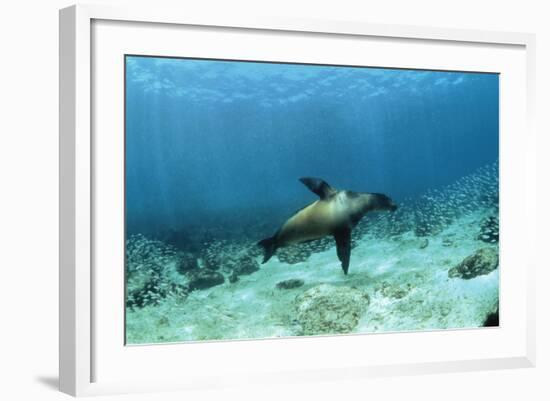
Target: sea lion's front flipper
343,247
318,186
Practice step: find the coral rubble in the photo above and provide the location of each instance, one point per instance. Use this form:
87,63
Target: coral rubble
327,309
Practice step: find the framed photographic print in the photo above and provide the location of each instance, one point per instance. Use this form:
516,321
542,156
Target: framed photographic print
309,198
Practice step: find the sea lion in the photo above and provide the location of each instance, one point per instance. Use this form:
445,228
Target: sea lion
335,213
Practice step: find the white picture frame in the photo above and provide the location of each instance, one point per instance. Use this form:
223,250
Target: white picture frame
80,341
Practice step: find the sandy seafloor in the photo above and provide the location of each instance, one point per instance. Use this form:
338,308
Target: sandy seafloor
409,289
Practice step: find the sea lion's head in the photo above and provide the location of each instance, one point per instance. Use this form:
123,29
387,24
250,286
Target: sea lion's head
381,202
360,203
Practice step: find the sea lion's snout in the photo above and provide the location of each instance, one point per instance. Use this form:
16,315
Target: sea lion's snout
383,202
390,205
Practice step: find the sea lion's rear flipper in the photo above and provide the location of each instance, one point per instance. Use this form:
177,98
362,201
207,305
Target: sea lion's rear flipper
270,246
343,247
318,186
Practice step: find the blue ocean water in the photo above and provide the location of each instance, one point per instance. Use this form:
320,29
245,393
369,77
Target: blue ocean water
207,139
214,153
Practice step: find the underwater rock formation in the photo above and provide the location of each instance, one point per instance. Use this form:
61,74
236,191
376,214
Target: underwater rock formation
244,266
290,284
483,261
203,278
186,262
492,319
489,231
327,309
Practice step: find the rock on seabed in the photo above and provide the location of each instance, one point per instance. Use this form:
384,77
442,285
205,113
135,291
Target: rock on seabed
203,278
483,261
327,309
186,263
290,284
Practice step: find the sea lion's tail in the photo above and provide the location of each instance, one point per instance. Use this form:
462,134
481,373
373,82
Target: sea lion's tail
269,245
